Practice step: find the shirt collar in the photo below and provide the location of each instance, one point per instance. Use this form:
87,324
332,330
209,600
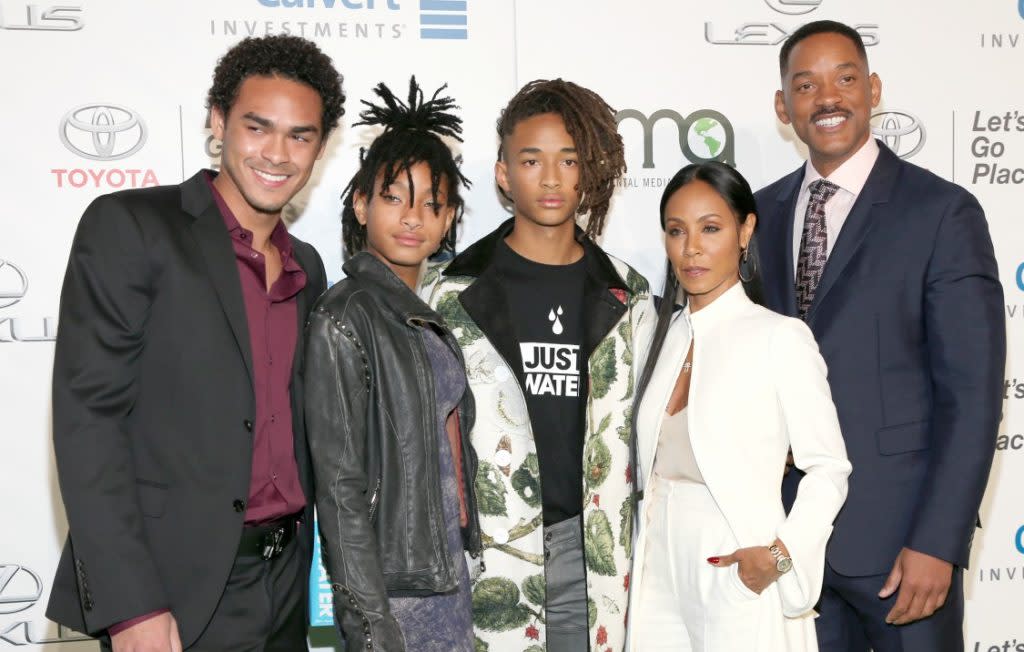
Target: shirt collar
852,174
279,236
731,302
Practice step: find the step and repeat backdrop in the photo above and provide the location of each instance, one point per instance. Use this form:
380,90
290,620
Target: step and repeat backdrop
103,95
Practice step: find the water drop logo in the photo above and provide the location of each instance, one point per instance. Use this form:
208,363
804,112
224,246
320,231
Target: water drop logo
1020,8
556,322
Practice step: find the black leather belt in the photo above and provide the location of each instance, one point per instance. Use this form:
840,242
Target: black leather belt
269,539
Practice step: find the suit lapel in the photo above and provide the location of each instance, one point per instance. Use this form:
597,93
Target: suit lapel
858,224
778,238
214,245
486,304
303,301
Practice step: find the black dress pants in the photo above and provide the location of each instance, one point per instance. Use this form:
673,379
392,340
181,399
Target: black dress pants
263,608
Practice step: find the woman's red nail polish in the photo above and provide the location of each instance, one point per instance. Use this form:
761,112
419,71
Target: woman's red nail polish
714,560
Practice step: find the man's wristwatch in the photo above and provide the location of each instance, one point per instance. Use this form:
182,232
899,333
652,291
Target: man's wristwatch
782,562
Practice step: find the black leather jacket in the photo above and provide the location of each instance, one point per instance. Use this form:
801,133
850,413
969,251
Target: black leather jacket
372,429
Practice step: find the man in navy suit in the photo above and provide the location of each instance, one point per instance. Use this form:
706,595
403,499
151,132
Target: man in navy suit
892,268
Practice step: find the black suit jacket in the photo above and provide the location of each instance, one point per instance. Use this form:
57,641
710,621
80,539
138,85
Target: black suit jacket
909,317
153,408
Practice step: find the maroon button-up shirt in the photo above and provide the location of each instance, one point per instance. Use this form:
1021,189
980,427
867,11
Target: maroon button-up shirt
272,315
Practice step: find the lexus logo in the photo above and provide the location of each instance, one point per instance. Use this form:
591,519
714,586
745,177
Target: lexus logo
102,132
902,132
20,588
13,285
795,7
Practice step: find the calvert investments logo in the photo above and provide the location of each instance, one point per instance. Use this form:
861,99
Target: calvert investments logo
1016,310
42,18
13,288
902,132
1004,40
103,132
443,19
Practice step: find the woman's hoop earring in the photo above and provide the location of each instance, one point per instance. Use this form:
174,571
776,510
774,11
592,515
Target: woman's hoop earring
750,265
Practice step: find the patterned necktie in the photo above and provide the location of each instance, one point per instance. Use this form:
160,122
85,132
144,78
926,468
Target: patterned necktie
813,245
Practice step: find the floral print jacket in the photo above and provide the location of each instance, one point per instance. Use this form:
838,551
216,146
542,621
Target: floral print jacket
508,596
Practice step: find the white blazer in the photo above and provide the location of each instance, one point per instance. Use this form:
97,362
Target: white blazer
759,387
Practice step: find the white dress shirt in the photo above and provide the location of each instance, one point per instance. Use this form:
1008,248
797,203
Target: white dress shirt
850,177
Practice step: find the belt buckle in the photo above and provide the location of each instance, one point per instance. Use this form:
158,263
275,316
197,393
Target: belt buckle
272,544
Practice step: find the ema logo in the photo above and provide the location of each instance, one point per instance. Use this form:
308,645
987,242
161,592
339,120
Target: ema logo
902,132
1018,539
1020,269
1020,8
704,135
445,19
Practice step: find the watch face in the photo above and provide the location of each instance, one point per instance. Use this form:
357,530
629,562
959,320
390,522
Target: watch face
784,565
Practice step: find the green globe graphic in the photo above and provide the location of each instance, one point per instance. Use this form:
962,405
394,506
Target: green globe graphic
706,138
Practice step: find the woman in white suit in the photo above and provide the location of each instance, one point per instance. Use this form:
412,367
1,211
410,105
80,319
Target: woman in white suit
728,388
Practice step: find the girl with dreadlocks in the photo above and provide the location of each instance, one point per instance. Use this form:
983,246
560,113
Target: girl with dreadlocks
547,322
388,408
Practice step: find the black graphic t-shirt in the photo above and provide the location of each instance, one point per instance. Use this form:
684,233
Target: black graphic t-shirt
546,305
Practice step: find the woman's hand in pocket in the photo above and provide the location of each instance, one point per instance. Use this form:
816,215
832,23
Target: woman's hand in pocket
756,566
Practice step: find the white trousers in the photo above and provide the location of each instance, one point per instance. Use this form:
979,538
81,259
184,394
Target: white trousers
685,603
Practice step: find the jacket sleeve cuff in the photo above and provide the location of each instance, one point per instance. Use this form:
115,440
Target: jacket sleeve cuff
117,628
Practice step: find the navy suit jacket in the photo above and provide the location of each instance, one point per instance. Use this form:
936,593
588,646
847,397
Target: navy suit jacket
909,317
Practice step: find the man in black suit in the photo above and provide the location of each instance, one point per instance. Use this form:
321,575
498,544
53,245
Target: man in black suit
893,269
177,394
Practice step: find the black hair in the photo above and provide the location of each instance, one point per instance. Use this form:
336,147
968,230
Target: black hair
734,189
412,134
819,27
280,55
591,124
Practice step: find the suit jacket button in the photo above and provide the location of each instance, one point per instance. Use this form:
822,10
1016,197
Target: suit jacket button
239,505
248,425
87,605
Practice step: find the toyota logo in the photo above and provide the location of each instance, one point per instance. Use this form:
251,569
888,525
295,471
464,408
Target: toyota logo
20,588
13,286
103,132
795,7
902,132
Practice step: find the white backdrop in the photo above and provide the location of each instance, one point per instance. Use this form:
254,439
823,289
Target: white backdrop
137,73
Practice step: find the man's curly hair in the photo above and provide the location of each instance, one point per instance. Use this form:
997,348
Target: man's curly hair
282,55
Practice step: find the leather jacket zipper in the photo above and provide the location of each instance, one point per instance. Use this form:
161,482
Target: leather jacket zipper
374,500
